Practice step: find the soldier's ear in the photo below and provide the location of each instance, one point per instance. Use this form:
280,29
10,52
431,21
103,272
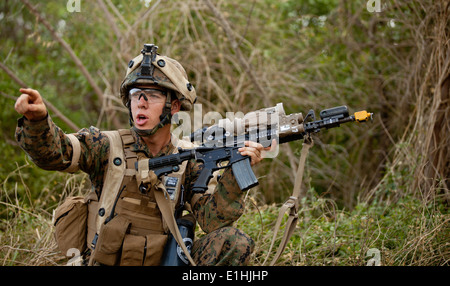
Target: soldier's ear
175,106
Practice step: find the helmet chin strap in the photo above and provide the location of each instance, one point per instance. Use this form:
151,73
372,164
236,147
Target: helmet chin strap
165,118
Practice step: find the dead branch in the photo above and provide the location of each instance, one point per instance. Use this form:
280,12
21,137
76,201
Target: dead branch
67,47
235,46
50,106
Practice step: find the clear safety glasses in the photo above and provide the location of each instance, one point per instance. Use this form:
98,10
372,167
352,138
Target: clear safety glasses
150,95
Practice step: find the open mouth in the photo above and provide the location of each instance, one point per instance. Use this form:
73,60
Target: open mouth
141,119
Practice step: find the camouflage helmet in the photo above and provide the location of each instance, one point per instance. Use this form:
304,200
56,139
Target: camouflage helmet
159,70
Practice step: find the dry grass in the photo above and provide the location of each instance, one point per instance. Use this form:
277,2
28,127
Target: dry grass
26,228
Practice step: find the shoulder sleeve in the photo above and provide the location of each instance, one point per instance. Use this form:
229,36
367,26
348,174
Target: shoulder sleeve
51,149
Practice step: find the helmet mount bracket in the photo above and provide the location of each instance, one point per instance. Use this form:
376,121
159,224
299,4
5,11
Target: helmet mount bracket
149,56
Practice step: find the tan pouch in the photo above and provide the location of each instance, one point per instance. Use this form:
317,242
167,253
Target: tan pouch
155,249
133,251
143,250
110,240
70,222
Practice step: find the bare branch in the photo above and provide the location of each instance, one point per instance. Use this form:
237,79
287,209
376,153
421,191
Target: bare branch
67,47
235,46
50,106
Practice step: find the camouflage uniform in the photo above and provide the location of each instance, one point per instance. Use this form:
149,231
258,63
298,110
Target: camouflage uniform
51,149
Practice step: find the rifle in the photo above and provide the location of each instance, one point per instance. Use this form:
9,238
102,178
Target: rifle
220,144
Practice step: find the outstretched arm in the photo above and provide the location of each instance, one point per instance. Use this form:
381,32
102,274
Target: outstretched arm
49,147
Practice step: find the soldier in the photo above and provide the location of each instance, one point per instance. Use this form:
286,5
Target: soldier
133,231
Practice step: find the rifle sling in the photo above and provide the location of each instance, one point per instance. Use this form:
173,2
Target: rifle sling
167,212
291,204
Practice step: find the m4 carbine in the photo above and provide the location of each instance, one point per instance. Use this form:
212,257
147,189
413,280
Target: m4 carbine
219,143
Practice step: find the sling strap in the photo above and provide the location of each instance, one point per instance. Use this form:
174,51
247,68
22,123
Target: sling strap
291,204
167,211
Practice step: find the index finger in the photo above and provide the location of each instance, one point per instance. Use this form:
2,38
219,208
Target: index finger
32,93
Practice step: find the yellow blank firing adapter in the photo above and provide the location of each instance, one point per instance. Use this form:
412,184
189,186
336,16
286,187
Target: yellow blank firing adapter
362,116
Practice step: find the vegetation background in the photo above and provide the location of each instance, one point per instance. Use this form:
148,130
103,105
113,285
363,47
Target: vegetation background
373,192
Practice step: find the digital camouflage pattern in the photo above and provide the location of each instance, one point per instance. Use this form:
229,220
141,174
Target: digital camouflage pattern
226,246
50,149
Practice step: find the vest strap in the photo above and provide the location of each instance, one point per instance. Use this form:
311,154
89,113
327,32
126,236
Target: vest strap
75,154
126,136
113,178
112,183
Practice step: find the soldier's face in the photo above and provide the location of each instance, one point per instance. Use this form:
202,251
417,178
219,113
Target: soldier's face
146,106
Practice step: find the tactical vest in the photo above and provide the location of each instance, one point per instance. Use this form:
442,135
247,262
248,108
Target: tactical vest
125,226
